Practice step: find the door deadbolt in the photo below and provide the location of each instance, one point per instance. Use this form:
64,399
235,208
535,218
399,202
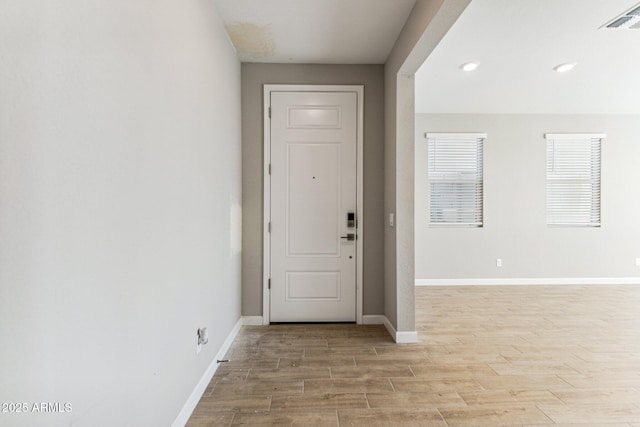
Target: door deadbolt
351,219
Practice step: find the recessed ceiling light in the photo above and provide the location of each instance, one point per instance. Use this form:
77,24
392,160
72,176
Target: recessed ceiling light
469,66
563,68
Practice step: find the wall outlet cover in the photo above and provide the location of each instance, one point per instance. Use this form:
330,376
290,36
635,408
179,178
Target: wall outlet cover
202,338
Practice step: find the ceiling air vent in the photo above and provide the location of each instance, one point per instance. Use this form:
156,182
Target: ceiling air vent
629,20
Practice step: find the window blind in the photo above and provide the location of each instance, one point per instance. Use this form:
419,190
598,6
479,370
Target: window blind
573,179
455,179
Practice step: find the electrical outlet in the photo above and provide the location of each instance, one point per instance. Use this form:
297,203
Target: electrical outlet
637,262
499,262
202,338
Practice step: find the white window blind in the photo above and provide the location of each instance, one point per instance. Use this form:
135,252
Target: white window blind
455,179
573,179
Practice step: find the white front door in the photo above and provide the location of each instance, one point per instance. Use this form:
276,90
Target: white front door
313,196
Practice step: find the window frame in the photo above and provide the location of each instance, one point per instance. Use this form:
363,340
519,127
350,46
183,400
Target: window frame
594,181
476,138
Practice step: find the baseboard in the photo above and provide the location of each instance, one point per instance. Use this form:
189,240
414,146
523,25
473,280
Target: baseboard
374,319
252,320
196,394
529,282
409,337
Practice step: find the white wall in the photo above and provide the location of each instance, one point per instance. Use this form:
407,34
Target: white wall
119,205
515,203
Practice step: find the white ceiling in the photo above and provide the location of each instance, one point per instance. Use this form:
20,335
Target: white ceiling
314,31
517,43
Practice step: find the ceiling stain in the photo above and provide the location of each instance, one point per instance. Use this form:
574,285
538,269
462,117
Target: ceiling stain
251,40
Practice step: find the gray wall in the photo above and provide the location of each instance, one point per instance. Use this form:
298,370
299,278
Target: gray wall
254,76
119,206
515,205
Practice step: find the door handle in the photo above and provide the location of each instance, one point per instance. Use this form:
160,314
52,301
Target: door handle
349,237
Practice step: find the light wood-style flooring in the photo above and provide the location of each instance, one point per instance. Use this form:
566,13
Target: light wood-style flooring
487,356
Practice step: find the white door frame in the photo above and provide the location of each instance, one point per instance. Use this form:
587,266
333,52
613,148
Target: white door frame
266,185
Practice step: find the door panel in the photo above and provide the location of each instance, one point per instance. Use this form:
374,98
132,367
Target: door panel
313,199
313,285
313,187
309,117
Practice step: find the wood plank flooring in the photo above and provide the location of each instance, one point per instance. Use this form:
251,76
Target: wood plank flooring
487,356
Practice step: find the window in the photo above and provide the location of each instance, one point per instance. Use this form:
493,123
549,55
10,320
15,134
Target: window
573,179
455,179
